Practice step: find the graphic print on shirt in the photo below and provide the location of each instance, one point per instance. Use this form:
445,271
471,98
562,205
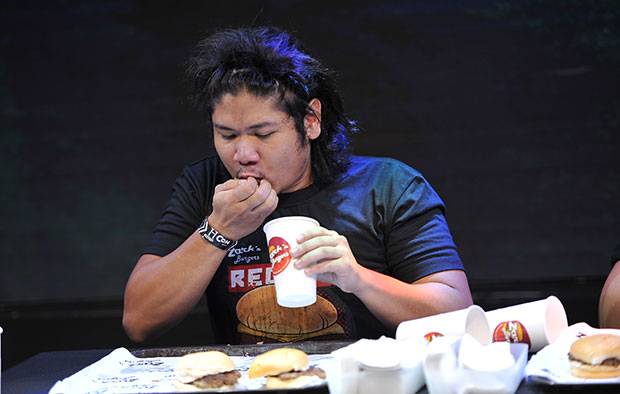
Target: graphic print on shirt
260,318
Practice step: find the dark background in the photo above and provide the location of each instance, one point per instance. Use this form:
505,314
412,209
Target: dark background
510,108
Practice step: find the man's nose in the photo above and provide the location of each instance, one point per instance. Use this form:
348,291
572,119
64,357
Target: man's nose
245,151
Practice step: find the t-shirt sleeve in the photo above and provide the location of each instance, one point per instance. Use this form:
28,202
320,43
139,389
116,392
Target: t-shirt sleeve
419,241
181,217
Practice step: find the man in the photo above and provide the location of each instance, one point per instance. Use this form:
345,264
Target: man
609,302
383,253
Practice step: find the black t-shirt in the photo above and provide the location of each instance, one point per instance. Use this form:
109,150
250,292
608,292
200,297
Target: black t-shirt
392,218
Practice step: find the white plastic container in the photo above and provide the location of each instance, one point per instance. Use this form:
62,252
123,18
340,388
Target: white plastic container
360,369
444,375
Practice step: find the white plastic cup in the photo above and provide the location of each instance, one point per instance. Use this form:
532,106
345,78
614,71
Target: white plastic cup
471,320
293,288
536,323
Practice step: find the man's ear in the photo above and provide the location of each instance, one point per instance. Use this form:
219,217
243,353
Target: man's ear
312,121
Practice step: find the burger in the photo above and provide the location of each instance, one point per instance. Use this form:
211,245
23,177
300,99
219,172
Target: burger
206,370
285,368
595,356
261,318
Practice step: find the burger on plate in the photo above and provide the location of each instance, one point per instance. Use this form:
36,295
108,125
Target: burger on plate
206,370
285,368
595,356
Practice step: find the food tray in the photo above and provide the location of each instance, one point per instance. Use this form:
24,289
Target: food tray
152,370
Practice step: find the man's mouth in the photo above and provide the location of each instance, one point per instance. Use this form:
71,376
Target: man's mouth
247,174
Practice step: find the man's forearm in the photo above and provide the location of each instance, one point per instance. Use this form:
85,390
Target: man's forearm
393,301
162,290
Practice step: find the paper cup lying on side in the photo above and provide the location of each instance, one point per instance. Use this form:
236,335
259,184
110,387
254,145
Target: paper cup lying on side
471,320
293,288
536,323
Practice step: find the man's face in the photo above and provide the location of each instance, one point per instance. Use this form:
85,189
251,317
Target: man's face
254,138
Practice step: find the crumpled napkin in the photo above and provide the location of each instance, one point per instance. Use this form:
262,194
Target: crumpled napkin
492,357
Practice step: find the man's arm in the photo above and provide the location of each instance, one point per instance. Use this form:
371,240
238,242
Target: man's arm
162,290
327,255
393,301
609,303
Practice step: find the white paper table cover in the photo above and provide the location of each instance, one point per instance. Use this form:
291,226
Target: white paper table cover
121,372
551,365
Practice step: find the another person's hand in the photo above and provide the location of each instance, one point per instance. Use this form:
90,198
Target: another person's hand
241,205
326,254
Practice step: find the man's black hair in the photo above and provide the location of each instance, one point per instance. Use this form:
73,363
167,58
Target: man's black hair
270,62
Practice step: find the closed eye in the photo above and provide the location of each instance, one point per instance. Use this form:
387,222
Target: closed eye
265,135
226,135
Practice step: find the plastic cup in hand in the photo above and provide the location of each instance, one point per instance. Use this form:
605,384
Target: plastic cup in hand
293,288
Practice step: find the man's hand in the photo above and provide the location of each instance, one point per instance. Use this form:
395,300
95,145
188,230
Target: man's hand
326,254
241,205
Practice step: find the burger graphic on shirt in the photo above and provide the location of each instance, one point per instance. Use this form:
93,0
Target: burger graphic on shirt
260,316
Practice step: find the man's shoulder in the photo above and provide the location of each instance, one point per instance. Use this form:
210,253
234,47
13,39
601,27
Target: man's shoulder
386,176
381,166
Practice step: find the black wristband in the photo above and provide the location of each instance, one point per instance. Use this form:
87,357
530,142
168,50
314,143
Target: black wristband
213,237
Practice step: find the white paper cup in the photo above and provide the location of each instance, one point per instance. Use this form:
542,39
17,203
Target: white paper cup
536,323
293,288
471,320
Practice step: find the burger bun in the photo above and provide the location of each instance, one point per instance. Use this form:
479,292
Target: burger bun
277,361
589,352
197,365
302,381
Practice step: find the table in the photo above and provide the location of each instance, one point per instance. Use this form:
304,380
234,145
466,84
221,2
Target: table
39,373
